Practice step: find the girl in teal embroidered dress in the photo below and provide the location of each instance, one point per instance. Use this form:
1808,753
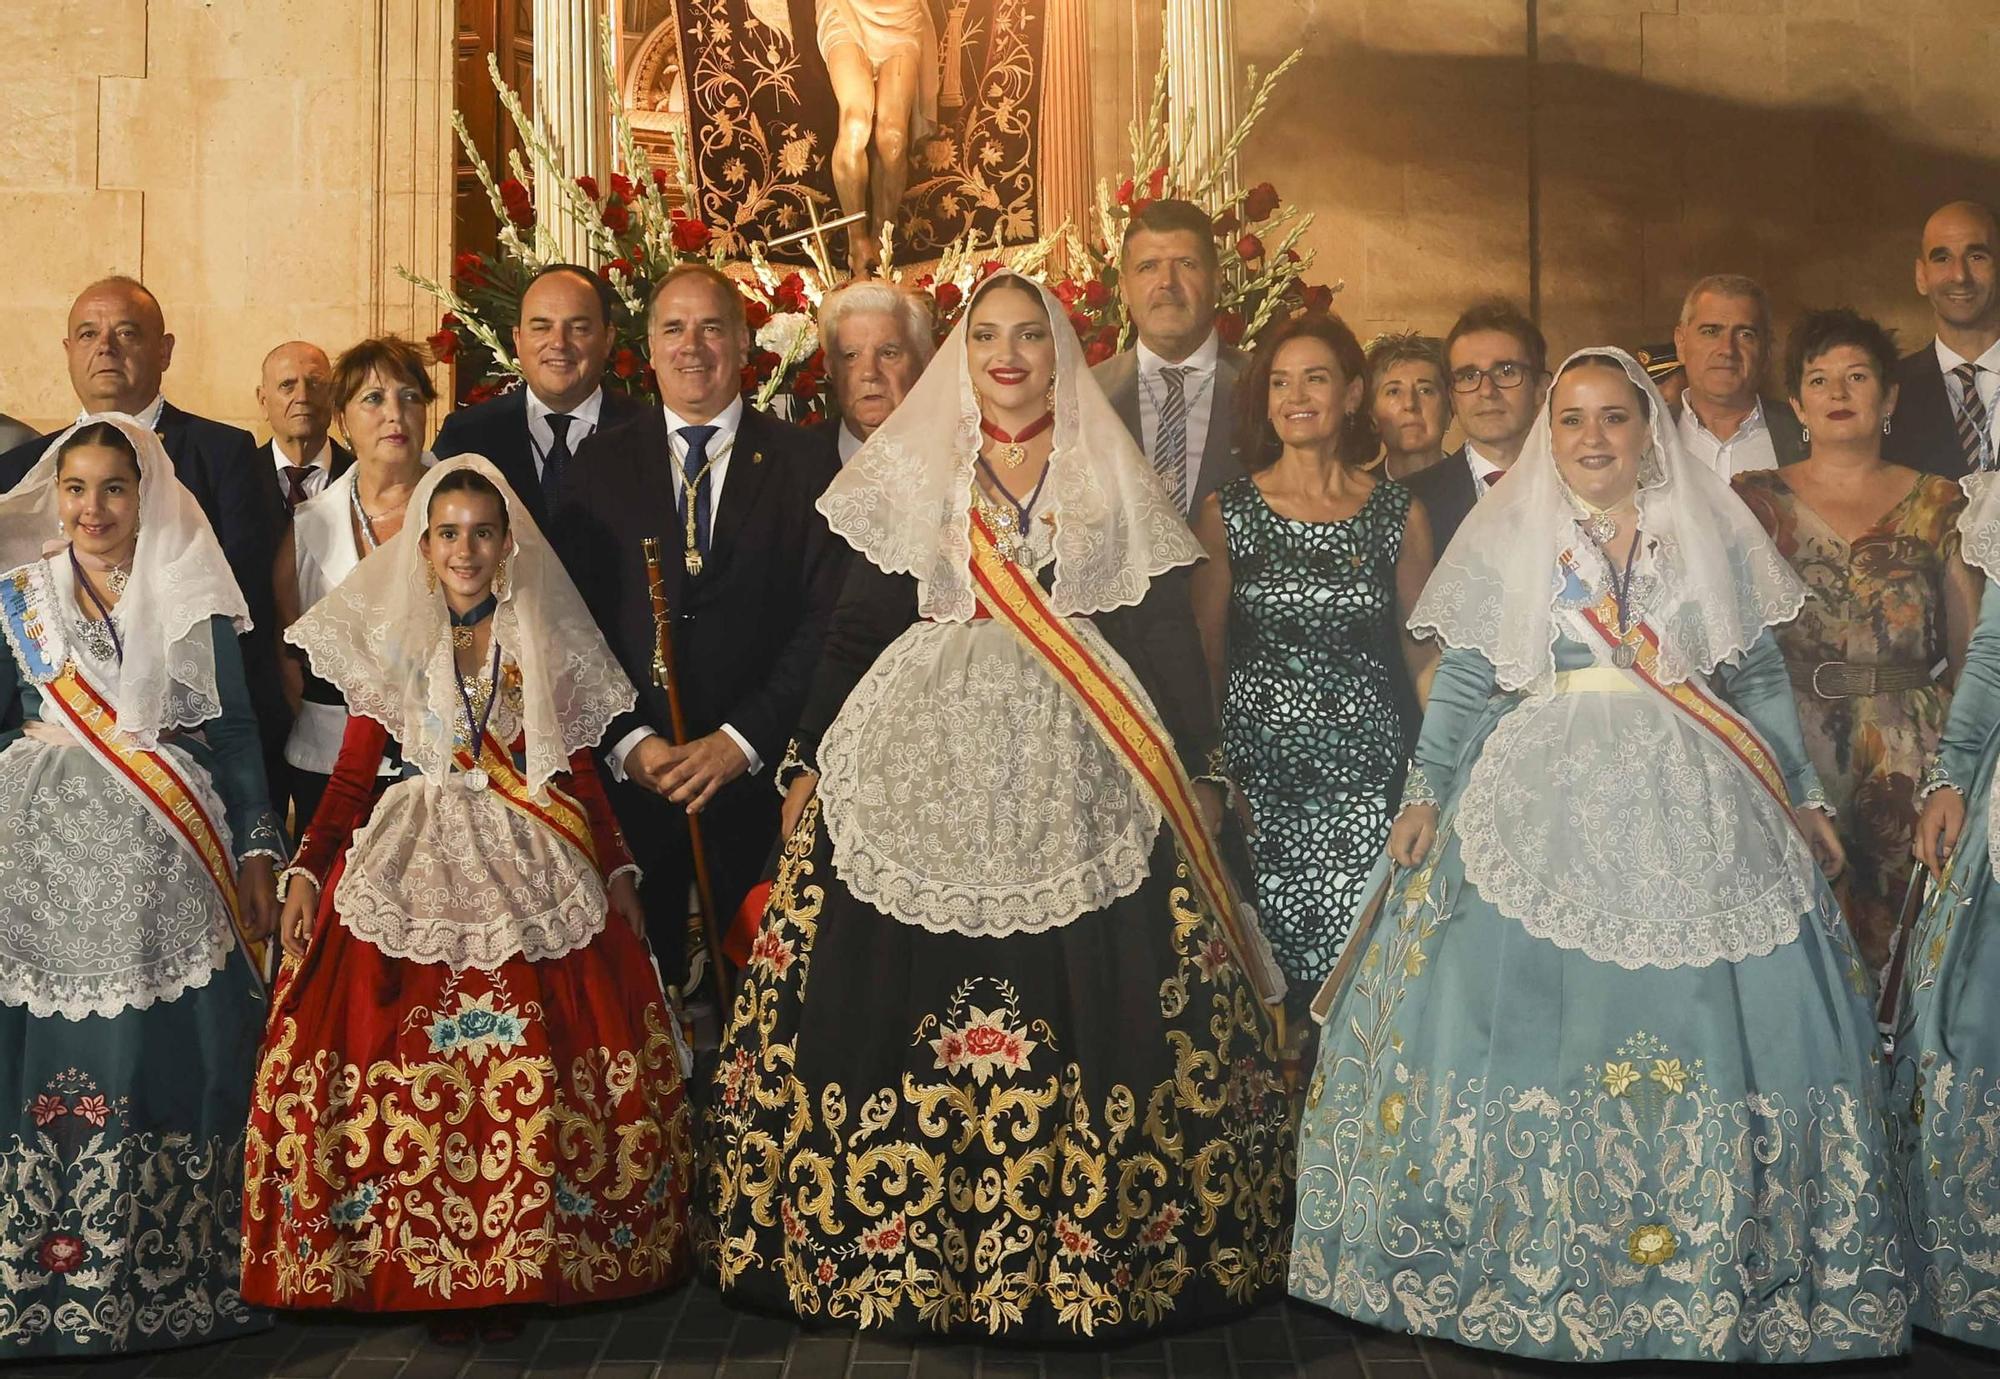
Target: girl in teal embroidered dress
1600,1083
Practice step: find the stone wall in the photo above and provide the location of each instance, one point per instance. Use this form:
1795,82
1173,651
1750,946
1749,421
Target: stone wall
1597,155
264,165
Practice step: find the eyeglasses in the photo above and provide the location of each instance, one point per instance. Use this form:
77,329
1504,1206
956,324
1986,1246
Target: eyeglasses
1508,373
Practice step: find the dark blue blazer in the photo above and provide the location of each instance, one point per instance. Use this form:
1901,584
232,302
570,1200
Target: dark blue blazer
498,430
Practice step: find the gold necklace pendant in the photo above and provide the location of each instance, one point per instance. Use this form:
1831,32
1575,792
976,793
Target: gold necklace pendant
1013,454
461,637
692,560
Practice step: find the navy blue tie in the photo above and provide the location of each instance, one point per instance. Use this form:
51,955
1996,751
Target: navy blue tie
694,470
557,460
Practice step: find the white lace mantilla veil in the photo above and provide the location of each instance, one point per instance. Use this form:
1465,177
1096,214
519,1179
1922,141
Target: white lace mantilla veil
383,639
1721,580
179,581
904,500
1979,523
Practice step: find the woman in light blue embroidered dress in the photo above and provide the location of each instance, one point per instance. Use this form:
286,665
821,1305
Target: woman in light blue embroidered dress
1600,1082
1947,1068
136,851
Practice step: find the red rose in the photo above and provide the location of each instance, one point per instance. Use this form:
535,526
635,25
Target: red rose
1227,224
1139,206
756,314
443,345
1125,190
989,268
813,417
1291,256
1261,204
660,183
949,296
1096,295
469,269
984,1040
1098,351
1156,182
791,294
690,236
750,378
621,187
482,392
616,218
625,363
1319,297
924,282
519,205
1081,324
619,266
1230,327
1069,291
588,186
448,320
60,1253
1249,247
805,385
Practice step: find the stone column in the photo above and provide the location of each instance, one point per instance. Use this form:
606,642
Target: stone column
1202,104
570,105
1063,188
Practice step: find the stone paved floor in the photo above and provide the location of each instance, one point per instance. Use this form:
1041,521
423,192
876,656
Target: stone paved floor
691,1334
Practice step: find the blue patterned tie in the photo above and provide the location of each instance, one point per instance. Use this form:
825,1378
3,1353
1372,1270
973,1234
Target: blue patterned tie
694,469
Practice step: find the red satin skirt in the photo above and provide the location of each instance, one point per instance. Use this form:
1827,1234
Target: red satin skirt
422,1139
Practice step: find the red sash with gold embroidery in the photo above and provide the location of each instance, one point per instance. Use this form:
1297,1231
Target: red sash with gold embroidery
560,814
157,780
1011,595
1703,708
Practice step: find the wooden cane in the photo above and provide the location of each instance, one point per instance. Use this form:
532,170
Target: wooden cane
665,676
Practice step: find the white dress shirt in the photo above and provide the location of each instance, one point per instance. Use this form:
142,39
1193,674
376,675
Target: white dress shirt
320,467
1198,388
147,416
1485,473
1988,380
720,446
542,436
1750,448
850,444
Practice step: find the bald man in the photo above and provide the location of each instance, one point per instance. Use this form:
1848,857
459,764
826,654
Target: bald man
295,393
119,349
1947,418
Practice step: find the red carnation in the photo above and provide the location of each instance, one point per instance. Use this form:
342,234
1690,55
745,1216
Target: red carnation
625,363
1125,190
1156,182
588,186
805,386
619,266
791,294
1097,351
1230,327
469,269
621,187
1319,297
617,219
1249,247
690,236
515,199
949,296
444,345
1261,204
1096,295
756,314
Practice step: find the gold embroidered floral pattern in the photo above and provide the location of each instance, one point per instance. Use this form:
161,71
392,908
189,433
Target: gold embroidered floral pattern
474,1165
1629,1210
1008,1190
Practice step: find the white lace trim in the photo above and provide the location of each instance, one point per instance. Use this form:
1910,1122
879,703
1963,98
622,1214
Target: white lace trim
1606,824
964,791
102,910
442,874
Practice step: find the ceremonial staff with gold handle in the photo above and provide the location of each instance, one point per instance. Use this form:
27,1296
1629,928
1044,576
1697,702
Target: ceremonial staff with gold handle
665,677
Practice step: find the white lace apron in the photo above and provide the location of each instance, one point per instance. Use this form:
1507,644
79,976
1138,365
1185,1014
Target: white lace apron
965,792
1606,822
102,908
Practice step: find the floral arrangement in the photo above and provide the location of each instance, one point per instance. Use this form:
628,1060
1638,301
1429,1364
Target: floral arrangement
634,227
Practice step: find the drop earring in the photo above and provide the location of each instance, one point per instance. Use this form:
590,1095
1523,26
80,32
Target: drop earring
430,577
1805,435
1886,421
500,581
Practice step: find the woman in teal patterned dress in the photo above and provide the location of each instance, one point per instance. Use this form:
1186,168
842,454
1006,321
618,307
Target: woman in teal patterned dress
136,872
1313,567
1947,1070
1600,1082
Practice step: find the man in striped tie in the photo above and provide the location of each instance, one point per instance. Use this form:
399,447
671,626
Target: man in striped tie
1947,418
1176,389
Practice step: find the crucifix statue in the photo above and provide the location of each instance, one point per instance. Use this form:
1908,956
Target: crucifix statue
882,56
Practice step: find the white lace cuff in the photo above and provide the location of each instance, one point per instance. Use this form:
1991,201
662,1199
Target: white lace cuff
630,869
277,857
1816,800
265,839
285,880
1936,778
792,767
1417,788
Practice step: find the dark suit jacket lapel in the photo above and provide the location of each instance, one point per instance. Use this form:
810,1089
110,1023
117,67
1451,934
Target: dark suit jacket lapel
1121,386
172,430
749,470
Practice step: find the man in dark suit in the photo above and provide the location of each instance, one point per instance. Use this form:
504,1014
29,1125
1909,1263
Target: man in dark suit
1947,417
1176,389
119,350
296,395
1497,367
751,575
1724,342
13,432
533,433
